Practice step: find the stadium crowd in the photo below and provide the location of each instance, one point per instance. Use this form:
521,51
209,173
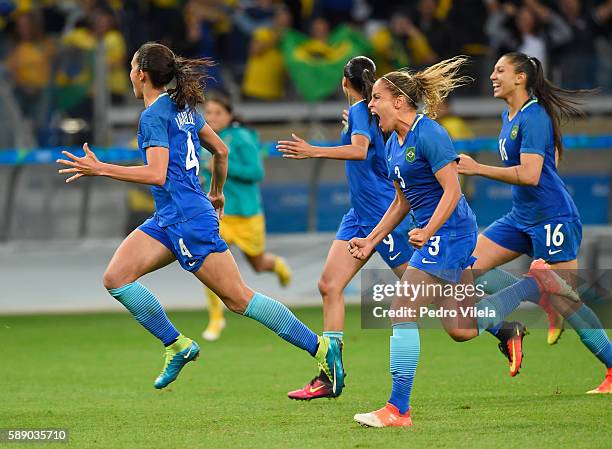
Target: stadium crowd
47,46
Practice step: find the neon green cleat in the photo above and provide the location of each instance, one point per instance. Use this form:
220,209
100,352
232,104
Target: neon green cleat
329,356
178,354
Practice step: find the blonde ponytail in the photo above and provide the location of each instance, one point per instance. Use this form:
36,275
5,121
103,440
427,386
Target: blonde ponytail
429,86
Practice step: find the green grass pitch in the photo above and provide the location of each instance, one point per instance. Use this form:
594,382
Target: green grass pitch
93,374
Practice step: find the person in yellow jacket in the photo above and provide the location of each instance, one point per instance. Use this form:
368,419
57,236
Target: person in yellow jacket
243,222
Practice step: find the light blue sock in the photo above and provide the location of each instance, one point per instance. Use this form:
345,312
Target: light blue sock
493,281
505,301
147,310
281,320
405,349
592,334
334,334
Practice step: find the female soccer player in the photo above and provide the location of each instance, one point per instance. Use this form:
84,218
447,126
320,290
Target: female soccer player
243,222
371,192
185,226
544,222
423,166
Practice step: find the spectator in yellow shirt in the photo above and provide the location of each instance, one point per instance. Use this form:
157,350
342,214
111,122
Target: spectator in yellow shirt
29,63
401,45
105,30
264,76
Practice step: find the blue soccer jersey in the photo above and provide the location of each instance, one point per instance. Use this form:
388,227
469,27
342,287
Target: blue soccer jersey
531,131
426,149
370,190
163,125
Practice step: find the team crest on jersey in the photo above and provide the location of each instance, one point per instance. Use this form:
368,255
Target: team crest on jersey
514,132
410,154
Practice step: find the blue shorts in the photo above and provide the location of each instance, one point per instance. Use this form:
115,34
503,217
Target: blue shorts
394,249
555,240
190,241
446,256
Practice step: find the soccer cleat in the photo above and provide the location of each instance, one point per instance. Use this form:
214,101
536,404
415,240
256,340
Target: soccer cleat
511,344
213,330
178,354
606,385
555,321
282,270
319,387
329,356
388,416
551,282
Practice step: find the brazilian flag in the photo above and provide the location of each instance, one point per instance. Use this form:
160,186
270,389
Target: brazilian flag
316,67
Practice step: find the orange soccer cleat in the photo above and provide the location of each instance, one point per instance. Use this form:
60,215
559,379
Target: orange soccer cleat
551,282
555,320
388,416
606,385
511,345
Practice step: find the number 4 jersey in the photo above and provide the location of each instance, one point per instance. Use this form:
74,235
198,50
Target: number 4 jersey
163,125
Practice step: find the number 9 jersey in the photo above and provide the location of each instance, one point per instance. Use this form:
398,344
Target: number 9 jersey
163,125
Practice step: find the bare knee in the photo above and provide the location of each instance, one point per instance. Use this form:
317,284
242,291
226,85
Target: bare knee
329,290
238,300
460,335
115,278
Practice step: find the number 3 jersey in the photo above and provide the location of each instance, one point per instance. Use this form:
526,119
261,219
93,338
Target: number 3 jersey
531,132
427,148
163,125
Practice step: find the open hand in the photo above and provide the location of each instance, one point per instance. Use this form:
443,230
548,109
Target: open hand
88,165
297,148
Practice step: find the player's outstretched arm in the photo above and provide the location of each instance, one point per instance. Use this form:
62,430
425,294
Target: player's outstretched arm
298,148
397,211
153,173
527,173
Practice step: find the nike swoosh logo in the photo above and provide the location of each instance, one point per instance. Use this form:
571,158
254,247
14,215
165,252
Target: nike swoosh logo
314,390
191,264
427,261
395,257
551,252
186,356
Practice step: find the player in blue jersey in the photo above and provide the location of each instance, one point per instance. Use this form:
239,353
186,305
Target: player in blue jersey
185,226
370,191
544,222
423,165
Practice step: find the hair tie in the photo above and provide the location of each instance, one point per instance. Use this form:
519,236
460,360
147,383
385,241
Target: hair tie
533,62
398,88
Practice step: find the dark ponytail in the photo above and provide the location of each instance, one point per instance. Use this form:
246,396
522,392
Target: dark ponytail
360,71
560,104
162,66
